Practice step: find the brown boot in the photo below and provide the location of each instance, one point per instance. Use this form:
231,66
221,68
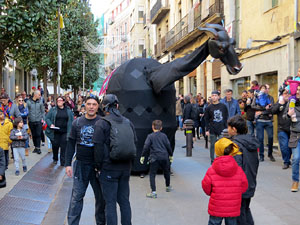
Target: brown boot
295,186
26,152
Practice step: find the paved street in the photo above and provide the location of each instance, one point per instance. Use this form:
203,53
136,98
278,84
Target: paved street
273,203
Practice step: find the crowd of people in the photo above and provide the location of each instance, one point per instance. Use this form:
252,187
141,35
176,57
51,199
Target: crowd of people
235,129
243,121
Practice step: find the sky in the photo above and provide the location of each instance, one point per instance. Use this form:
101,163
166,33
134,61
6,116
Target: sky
98,7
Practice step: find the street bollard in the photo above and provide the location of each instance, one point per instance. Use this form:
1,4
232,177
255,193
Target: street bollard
189,126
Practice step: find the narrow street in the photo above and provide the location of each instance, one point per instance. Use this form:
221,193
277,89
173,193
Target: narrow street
273,204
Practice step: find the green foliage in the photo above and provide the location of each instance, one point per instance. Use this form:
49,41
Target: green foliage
42,53
22,20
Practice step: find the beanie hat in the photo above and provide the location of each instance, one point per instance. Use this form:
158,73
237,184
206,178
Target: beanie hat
223,143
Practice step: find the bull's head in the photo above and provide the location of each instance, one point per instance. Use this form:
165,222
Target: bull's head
221,46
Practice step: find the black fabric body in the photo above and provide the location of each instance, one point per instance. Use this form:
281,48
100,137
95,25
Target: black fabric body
146,92
122,146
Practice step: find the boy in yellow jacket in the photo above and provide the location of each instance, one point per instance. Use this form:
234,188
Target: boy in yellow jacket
5,128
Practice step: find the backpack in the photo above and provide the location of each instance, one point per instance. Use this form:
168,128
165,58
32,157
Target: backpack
195,112
122,140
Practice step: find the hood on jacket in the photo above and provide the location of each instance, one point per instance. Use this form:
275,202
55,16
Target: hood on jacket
223,143
6,121
225,166
246,141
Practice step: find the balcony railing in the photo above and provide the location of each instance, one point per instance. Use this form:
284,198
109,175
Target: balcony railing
192,21
159,10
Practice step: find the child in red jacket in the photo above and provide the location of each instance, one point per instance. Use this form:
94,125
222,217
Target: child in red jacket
224,182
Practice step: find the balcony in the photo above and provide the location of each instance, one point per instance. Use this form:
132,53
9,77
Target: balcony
160,47
159,11
186,30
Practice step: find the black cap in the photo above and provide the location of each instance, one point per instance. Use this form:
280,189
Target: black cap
93,97
215,93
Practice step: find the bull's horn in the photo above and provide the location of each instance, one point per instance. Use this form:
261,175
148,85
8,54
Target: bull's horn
215,26
209,31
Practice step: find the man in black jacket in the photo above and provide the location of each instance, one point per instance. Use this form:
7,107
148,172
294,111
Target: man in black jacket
114,175
216,116
264,122
248,145
283,129
80,138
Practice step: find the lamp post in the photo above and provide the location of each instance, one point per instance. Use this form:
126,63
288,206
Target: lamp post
83,72
58,51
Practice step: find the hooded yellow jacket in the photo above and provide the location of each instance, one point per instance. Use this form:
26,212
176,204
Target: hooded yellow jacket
5,129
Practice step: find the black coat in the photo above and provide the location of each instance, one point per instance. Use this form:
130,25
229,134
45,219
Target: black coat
187,110
248,145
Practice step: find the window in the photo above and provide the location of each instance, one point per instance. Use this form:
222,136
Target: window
141,47
239,85
141,14
269,4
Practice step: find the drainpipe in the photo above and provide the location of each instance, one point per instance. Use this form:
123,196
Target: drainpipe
296,15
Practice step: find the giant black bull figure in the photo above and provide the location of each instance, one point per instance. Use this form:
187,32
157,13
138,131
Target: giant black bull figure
145,88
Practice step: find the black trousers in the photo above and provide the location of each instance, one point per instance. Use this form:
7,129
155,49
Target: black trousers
60,141
154,166
246,217
36,131
6,154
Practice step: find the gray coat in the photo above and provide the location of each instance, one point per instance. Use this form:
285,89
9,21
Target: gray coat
18,143
36,110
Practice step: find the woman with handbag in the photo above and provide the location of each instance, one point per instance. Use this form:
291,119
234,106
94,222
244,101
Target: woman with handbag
59,122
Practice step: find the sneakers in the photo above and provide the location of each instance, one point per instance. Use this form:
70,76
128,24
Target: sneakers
54,162
35,150
24,168
169,189
142,175
261,159
295,186
272,158
39,151
43,143
17,172
151,195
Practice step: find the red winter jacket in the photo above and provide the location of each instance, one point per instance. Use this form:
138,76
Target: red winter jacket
225,182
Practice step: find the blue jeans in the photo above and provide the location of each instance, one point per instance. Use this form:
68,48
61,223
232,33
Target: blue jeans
295,162
213,220
179,120
84,173
286,152
115,187
251,127
260,127
213,139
